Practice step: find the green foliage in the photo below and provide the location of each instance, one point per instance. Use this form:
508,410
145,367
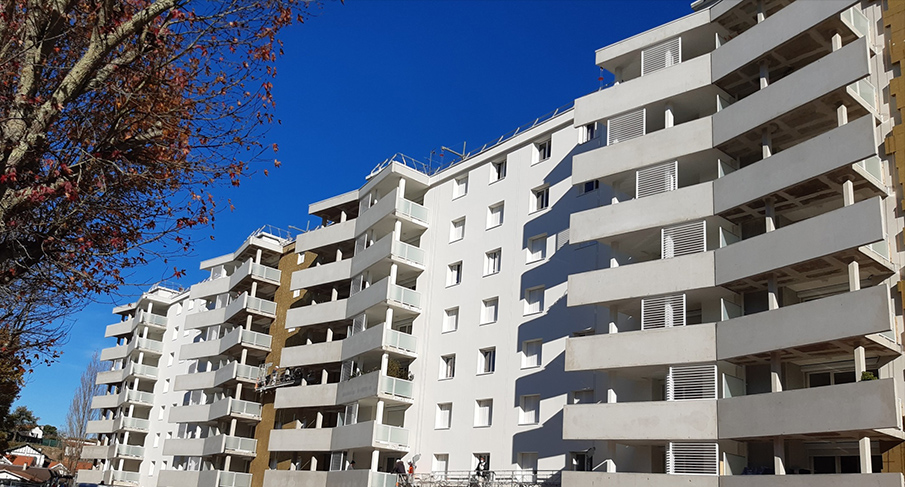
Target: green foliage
866,375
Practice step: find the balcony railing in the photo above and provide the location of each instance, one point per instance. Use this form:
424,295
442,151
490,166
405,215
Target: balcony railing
405,296
396,387
856,21
246,408
130,451
391,434
408,252
256,339
145,370
261,305
136,423
148,344
236,443
864,90
402,341
265,272
247,372
234,479
129,477
412,210
152,319
140,397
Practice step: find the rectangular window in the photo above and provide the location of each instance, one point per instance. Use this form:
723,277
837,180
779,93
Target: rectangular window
486,360
527,463
451,320
540,198
543,151
492,261
441,464
483,414
495,215
588,187
460,186
537,248
529,409
454,276
531,351
448,366
498,171
584,396
490,310
534,300
457,230
588,133
444,415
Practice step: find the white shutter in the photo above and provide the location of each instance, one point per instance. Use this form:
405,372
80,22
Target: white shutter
656,179
336,460
661,56
663,311
688,382
688,238
357,284
359,323
626,126
346,372
692,459
361,243
350,415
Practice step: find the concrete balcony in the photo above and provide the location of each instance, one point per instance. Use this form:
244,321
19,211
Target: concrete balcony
113,451
651,278
213,445
131,370
845,145
233,371
343,478
322,237
248,270
224,408
119,424
146,345
660,210
857,407
370,385
625,479
844,229
770,34
642,421
374,338
658,347
232,342
108,477
832,72
360,435
110,401
126,328
382,292
233,312
203,478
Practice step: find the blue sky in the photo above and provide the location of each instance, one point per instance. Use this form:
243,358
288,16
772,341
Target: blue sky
364,80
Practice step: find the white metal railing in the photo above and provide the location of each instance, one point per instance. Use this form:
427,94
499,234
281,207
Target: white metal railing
247,372
152,319
265,272
626,126
380,479
142,369
234,479
873,166
396,387
256,339
684,239
402,341
864,90
140,396
238,406
148,344
692,459
236,443
261,305
495,478
130,477
412,210
391,434
405,296
130,451
856,21
689,382
408,252
663,311
661,56
136,423
657,179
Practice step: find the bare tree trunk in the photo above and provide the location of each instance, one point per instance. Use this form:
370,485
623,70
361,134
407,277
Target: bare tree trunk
80,413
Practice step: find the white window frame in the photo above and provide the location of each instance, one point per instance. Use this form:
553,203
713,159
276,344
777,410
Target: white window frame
454,274
447,366
540,199
588,132
496,215
490,310
460,187
444,412
537,255
531,303
457,230
588,187
487,361
532,360
480,421
529,416
497,171
493,262
450,320
543,150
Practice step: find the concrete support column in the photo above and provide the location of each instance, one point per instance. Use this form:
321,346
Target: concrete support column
258,255
614,319
319,421
379,411
772,293
389,318
766,144
614,247
342,216
254,289
779,446
131,410
761,11
775,372
669,118
375,457
860,363
232,426
313,463
770,214
764,74
244,356
329,334
397,230
339,255
324,376
609,464
848,193
837,41
334,294
779,456
854,276
401,192
248,322
394,270
384,362
865,453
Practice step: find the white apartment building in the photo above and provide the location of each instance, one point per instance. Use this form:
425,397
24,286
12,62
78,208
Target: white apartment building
691,277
